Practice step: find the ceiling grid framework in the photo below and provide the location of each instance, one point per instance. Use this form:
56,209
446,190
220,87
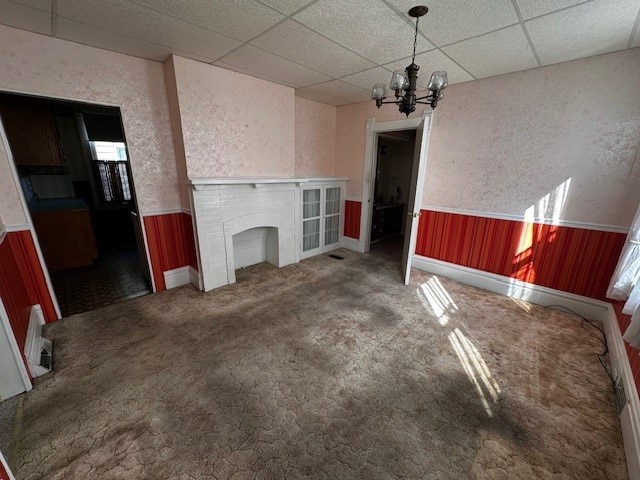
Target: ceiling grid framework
333,51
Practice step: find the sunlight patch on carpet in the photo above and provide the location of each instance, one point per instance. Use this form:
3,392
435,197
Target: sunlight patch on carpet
476,369
438,299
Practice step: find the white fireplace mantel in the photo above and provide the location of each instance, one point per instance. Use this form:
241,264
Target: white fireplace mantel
198,183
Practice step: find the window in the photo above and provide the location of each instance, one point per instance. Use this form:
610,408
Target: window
110,170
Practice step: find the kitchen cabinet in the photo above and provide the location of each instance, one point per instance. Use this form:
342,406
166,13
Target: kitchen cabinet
386,221
65,233
31,129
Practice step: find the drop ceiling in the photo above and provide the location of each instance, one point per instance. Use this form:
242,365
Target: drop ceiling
333,51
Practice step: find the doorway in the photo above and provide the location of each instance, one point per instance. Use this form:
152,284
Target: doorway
394,161
72,163
376,133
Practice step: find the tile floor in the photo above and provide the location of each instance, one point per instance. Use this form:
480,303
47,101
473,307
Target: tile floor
115,276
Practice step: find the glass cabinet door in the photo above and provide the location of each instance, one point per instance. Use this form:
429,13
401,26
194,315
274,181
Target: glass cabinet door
311,219
331,215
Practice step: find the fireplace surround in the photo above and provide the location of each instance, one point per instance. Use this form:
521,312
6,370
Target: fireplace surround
264,213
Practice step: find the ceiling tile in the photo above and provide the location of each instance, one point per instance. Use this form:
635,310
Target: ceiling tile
254,60
97,37
455,20
304,46
27,18
246,71
338,88
145,24
534,8
287,6
305,92
44,5
368,78
495,53
588,29
430,62
367,27
241,19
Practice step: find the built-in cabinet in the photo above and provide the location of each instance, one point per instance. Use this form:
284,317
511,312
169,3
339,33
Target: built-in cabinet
321,218
66,236
31,129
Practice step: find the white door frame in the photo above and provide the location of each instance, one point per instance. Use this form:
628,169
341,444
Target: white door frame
370,158
27,215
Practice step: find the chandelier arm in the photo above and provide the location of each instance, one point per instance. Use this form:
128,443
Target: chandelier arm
426,96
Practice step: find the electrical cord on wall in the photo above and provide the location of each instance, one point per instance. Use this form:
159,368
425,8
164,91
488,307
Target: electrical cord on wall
602,337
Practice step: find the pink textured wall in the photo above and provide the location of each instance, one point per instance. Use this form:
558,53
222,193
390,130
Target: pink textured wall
10,206
350,139
46,66
315,138
562,139
233,124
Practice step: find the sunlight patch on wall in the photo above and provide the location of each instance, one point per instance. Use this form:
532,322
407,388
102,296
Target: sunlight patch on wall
435,298
548,210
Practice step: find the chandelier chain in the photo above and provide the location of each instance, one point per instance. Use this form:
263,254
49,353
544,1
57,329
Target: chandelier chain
415,42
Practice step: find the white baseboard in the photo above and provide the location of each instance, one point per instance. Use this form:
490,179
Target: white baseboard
585,306
630,414
350,243
195,278
177,277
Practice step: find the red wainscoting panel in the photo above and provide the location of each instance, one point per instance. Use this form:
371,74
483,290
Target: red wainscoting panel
632,353
26,256
352,212
4,475
570,259
22,283
171,244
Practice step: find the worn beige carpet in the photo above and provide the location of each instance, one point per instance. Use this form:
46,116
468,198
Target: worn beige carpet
324,369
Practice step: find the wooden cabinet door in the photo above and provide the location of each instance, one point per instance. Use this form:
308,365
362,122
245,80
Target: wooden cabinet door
31,130
66,238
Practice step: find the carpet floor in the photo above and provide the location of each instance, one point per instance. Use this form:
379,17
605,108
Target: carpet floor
324,369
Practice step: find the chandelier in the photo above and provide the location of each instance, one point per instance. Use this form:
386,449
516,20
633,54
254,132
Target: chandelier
404,81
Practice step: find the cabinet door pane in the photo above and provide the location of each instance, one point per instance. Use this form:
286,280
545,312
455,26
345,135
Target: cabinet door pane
331,226
310,234
332,204
311,203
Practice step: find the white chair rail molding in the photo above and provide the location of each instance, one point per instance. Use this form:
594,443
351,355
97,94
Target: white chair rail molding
243,221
